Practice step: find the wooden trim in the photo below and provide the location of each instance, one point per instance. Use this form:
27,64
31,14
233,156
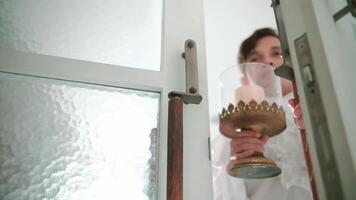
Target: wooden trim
175,150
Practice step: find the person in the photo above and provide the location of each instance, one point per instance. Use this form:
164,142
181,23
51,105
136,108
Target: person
286,149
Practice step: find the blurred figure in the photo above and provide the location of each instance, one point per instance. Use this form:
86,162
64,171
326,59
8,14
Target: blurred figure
286,149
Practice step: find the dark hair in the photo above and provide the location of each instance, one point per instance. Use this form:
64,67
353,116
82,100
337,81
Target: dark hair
250,43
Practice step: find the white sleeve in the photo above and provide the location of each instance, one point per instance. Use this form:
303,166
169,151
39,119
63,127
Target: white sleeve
226,187
286,150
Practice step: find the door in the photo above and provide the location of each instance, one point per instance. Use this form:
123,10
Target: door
84,97
322,45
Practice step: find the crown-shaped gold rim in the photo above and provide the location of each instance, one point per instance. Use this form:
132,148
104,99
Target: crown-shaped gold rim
251,106
261,117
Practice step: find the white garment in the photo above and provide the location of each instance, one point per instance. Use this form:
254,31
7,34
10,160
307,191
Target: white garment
285,149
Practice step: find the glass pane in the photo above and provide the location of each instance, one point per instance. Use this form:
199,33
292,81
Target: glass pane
126,33
72,141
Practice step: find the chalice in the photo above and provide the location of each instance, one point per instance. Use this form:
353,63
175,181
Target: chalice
251,101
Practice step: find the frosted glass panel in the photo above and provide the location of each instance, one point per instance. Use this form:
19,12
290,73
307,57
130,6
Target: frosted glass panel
119,32
71,141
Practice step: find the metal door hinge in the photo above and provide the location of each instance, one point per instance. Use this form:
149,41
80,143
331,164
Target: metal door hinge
191,96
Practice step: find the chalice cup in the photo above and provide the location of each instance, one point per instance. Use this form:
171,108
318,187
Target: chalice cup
251,100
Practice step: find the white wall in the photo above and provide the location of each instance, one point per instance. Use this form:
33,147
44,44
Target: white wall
227,23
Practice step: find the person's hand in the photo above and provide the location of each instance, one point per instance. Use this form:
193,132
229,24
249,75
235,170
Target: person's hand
298,115
247,143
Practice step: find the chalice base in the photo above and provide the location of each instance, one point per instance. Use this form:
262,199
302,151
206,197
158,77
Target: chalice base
254,167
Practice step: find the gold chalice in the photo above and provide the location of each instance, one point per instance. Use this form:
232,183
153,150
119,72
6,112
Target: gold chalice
257,109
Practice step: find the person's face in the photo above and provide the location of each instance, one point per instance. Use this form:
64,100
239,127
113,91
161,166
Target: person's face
268,51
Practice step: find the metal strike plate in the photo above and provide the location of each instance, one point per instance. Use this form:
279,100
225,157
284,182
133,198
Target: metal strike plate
191,96
320,130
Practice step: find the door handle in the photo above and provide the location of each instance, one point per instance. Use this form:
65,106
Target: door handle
191,96
175,122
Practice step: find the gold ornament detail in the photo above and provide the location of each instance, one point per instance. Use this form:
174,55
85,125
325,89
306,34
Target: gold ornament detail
265,118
